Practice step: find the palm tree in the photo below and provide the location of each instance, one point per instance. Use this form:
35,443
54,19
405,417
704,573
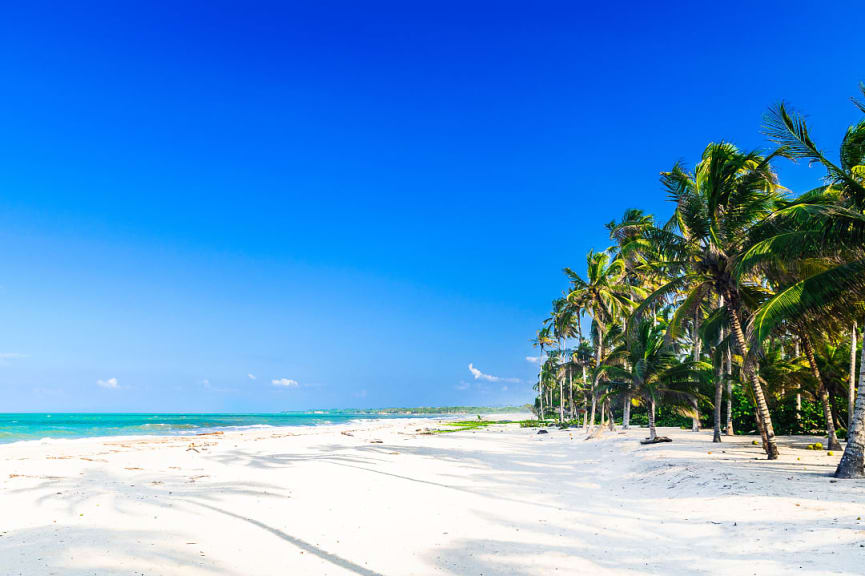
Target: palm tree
561,321
713,331
826,225
603,296
653,372
541,341
631,245
716,206
583,356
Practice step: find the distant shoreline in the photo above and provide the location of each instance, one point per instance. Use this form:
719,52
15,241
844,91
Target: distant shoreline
37,426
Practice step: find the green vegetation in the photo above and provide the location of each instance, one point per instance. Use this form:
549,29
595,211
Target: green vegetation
462,425
738,312
536,423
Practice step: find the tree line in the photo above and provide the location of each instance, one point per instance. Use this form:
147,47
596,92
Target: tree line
742,310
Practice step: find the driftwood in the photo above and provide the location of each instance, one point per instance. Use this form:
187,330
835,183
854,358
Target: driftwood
657,440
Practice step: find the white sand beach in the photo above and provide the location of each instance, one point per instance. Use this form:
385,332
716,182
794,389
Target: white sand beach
501,500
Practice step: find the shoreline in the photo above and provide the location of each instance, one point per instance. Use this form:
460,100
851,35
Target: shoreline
204,430
192,434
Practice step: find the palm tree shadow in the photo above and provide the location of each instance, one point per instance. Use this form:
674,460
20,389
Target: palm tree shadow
298,542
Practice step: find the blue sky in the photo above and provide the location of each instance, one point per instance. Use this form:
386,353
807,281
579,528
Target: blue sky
351,202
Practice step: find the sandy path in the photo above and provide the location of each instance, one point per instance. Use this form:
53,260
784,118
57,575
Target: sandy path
498,501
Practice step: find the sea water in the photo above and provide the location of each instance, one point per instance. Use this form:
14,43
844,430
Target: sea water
36,426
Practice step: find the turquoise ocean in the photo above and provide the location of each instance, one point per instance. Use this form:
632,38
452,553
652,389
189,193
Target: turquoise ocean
36,426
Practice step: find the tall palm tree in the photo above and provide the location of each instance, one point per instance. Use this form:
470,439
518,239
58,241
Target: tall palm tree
562,323
716,206
631,246
541,341
603,296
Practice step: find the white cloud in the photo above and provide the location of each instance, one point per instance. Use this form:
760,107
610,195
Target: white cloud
110,383
532,359
489,377
285,383
480,375
251,376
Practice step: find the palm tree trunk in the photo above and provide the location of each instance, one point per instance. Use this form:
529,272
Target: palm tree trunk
610,422
541,383
695,419
652,432
603,413
585,411
598,355
571,393
719,396
832,439
851,389
798,390
763,417
561,400
541,400
561,383
626,412
852,463
719,387
729,373
585,403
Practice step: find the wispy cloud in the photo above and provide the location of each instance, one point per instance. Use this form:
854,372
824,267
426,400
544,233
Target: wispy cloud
251,376
215,388
285,383
489,377
110,383
463,385
532,359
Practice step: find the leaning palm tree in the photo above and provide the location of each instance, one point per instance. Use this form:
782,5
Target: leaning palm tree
716,206
826,225
654,373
